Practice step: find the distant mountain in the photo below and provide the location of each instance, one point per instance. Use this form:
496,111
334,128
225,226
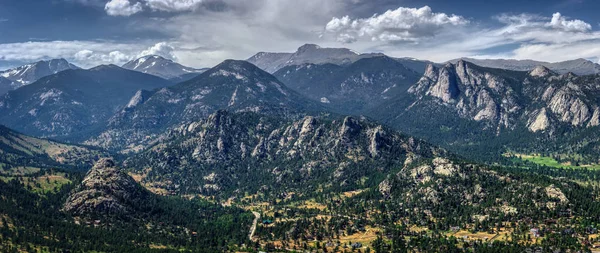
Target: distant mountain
351,88
30,73
73,103
18,150
578,66
232,85
309,53
314,54
165,68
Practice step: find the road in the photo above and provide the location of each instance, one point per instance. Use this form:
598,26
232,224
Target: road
254,224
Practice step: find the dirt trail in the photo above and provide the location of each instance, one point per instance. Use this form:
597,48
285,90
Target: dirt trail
254,224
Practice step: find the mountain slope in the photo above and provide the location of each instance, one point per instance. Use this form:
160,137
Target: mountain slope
108,211
6,85
30,73
509,109
233,85
355,171
353,88
161,67
18,150
578,66
74,103
228,152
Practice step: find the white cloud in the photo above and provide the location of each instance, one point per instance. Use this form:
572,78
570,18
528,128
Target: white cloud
163,49
243,28
402,24
560,22
173,5
122,8
204,38
113,57
522,36
83,53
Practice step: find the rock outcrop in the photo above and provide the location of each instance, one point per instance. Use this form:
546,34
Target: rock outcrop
471,91
105,190
541,71
317,146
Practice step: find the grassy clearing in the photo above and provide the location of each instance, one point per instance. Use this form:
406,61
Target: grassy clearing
481,236
40,184
310,204
550,162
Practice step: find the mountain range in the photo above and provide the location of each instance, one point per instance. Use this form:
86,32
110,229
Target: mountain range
30,73
577,66
322,145
351,88
232,85
73,102
314,54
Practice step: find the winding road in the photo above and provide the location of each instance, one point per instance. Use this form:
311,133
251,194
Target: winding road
254,224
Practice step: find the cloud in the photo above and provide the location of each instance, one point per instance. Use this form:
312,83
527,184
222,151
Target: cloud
161,49
402,24
174,5
421,33
114,57
204,33
239,29
560,22
127,8
122,8
83,53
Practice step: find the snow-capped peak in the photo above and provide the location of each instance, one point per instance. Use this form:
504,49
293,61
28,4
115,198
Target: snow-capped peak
159,66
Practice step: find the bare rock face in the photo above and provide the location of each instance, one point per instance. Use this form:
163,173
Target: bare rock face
541,71
502,99
105,190
569,107
471,91
446,87
385,187
540,122
555,192
595,121
443,166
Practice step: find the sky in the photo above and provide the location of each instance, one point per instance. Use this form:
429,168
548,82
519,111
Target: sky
203,33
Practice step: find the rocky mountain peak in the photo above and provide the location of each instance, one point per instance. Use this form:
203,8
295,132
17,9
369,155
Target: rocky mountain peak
140,97
32,72
349,127
105,190
160,66
446,87
431,72
541,71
